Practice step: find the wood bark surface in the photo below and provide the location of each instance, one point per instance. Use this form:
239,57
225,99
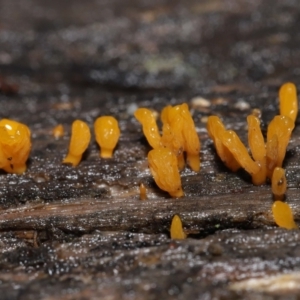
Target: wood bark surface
83,232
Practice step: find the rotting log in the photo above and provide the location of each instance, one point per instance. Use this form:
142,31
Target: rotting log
83,233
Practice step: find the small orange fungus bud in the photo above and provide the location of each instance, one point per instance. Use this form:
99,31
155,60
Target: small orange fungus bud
283,215
80,139
143,192
216,129
15,145
107,135
239,151
147,119
58,131
288,100
258,149
176,230
278,183
282,126
163,166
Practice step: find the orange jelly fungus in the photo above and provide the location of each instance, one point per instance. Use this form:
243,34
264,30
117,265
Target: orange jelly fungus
163,166
171,141
179,134
278,183
80,139
58,131
239,151
282,127
272,154
288,100
258,149
283,215
176,229
107,135
147,119
15,145
216,129
143,192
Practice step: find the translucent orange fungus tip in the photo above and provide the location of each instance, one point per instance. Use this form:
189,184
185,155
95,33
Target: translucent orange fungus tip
288,100
278,183
283,215
143,192
107,135
147,118
15,146
58,131
176,229
163,166
80,139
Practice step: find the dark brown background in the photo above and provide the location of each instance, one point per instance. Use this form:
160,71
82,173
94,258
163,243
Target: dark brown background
83,233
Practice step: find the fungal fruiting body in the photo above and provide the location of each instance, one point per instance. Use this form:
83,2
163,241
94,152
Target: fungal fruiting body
147,119
272,154
278,183
107,135
171,141
143,192
239,151
15,145
191,138
288,100
283,215
176,229
179,134
80,139
258,149
163,166
282,127
58,131
216,129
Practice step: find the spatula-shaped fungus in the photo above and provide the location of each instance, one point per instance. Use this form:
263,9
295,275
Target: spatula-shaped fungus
15,145
171,141
107,134
80,139
282,126
150,129
216,129
288,100
179,134
191,138
176,229
239,151
163,166
258,149
283,215
272,154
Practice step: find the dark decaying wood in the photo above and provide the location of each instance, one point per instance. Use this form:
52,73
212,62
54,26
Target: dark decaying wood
83,233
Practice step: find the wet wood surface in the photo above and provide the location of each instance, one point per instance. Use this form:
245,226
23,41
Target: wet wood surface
83,233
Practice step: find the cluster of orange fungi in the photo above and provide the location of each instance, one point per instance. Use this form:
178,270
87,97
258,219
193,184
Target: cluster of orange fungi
179,136
107,134
178,140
